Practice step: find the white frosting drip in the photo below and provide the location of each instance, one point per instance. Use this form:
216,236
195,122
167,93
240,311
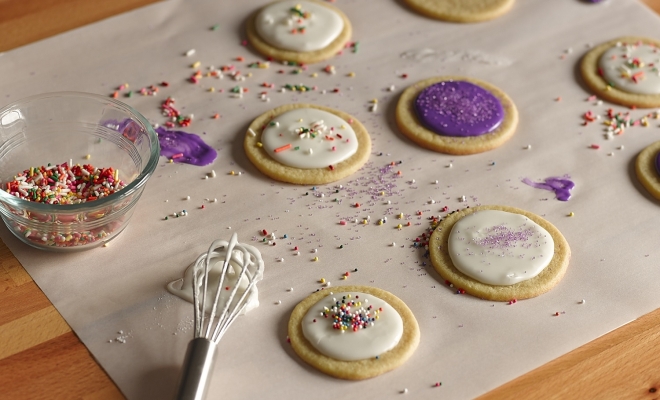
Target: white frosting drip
276,24
632,68
500,248
349,345
243,256
321,138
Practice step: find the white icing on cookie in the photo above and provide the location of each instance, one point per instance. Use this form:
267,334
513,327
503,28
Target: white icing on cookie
632,68
242,256
298,25
499,248
309,138
352,345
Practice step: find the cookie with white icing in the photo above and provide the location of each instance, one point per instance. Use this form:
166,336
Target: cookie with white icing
301,31
307,144
499,253
456,115
461,10
386,332
647,167
624,71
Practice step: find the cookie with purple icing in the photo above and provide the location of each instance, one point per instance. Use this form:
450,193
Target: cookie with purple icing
456,115
647,168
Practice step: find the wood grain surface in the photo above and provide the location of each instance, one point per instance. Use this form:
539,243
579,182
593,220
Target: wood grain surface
41,358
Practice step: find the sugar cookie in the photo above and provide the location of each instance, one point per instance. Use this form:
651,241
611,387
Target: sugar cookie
306,31
461,10
624,71
364,352
456,115
307,144
647,166
508,251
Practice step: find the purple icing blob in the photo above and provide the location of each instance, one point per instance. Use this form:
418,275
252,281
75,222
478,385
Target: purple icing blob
458,108
193,148
560,185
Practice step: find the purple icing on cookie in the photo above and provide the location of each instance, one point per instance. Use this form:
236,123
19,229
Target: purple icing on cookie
458,108
185,147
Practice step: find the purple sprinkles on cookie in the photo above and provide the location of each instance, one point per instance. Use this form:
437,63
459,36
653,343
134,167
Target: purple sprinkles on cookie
458,108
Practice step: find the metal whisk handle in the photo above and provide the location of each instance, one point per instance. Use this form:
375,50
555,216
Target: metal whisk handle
197,368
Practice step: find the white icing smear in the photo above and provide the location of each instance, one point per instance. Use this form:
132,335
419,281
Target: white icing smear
500,248
298,25
632,68
309,138
243,256
349,345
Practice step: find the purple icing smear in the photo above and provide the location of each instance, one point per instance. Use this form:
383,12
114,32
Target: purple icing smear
560,185
458,108
183,147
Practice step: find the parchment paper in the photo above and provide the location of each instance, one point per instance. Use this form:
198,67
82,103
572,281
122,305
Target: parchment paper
470,345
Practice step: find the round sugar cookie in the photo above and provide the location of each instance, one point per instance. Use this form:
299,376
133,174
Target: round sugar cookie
335,137
461,10
541,283
410,124
360,369
646,170
304,37
624,80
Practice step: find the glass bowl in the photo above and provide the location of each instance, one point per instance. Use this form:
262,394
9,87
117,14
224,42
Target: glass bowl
74,128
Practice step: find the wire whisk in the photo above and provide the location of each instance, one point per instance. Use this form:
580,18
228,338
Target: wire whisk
228,292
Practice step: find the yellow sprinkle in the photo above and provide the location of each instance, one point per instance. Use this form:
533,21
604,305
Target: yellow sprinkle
322,280
382,193
126,85
316,258
375,101
106,244
400,216
259,144
570,214
351,74
348,296
608,88
249,74
399,226
298,6
170,161
377,316
343,277
300,120
211,89
88,156
232,173
196,64
264,65
342,126
314,75
645,122
364,222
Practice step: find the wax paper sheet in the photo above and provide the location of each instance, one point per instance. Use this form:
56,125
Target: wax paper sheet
114,297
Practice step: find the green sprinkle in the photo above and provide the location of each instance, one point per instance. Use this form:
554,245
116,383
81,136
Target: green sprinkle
215,27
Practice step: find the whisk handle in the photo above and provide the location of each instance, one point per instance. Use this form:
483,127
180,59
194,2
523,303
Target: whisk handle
197,368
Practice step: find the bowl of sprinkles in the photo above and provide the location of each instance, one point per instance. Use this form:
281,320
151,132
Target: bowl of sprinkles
72,168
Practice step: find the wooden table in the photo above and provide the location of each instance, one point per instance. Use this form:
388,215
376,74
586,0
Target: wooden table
40,357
